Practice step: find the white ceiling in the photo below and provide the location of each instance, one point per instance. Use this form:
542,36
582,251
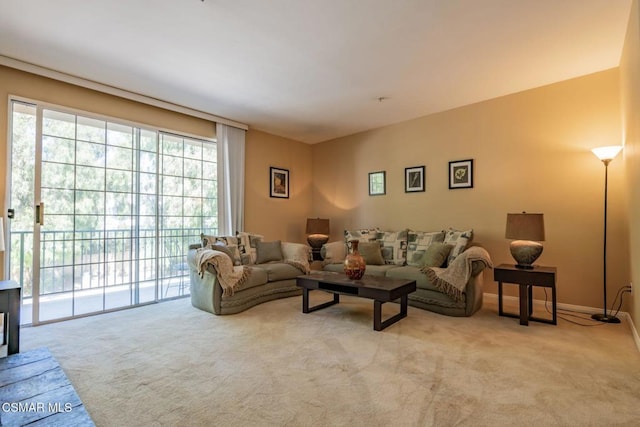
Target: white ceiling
313,70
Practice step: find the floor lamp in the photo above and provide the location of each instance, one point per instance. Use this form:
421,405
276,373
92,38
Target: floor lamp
606,154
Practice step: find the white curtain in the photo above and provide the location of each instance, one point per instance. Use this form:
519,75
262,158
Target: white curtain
231,143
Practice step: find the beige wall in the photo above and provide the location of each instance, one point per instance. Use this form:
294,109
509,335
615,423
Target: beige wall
531,152
277,218
630,90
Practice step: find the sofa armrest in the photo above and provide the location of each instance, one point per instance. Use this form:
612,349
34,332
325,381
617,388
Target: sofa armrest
191,259
477,267
296,252
474,293
334,252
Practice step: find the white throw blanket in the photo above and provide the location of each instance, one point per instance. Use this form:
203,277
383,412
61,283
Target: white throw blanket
229,277
453,279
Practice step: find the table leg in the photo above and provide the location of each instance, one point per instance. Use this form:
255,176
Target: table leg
524,305
305,302
500,312
10,307
554,305
404,302
377,315
378,324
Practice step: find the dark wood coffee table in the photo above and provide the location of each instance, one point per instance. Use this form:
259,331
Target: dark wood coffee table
379,289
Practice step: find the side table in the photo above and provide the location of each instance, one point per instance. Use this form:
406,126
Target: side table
527,279
10,306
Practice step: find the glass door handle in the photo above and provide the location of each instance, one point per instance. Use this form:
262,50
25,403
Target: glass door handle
40,213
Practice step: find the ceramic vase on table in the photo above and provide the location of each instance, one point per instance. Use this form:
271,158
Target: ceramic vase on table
354,264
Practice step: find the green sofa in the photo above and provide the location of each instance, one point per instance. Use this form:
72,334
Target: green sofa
403,252
265,282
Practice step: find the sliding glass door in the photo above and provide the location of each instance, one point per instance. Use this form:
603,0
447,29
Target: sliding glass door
187,204
102,212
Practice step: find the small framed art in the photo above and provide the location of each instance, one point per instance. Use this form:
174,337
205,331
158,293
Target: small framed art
461,174
279,182
377,185
414,179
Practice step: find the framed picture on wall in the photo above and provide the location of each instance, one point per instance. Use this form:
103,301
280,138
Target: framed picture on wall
461,174
279,182
414,179
377,185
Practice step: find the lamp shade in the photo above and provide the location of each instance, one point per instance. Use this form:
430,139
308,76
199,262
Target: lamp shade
525,226
607,153
317,226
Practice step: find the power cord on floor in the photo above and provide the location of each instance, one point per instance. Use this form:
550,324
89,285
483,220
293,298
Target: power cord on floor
619,294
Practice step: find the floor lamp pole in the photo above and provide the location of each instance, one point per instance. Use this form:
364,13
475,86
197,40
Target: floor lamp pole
604,317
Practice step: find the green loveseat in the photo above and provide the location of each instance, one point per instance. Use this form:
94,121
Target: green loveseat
265,281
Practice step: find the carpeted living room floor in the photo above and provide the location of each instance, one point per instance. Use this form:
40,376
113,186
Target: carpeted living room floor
171,364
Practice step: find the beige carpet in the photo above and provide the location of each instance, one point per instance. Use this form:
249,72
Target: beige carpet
171,364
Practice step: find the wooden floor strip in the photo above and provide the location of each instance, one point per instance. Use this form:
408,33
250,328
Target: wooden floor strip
34,390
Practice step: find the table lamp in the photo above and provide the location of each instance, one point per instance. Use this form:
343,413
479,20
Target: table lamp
318,232
527,230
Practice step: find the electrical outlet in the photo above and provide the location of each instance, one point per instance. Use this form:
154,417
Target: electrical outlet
630,287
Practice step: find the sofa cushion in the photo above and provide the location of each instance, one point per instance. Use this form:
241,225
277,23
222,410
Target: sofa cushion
336,268
256,277
278,271
371,252
247,246
435,255
230,250
460,240
361,235
437,302
394,246
412,273
268,251
230,242
417,244
333,252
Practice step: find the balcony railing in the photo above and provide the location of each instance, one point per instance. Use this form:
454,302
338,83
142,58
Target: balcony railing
87,259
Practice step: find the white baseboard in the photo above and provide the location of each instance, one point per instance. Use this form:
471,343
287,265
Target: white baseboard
570,307
634,331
